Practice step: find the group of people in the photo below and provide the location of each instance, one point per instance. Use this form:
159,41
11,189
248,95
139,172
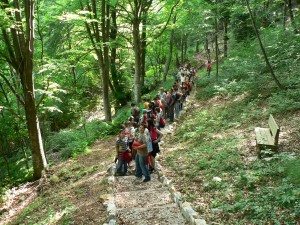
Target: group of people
139,137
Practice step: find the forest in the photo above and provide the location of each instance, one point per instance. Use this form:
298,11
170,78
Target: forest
69,70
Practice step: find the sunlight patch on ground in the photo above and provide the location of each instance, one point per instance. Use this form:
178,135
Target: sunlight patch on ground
58,216
18,198
240,97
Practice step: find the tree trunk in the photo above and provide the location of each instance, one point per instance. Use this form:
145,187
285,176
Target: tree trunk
93,32
114,85
137,54
170,51
185,47
290,7
182,48
225,38
21,55
284,14
262,48
216,42
38,156
143,49
105,29
177,59
207,50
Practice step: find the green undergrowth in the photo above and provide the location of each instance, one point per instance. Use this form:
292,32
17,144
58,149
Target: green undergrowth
166,85
256,192
14,173
67,144
59,201
50,209
74,142
216,158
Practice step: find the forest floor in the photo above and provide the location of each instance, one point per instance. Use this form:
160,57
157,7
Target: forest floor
72,192
193,183
69,193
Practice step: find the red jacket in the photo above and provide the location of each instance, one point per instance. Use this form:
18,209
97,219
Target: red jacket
208,67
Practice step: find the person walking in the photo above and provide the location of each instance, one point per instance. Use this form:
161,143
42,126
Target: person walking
140,146
122,153
208,68
172,104
178,95
156,136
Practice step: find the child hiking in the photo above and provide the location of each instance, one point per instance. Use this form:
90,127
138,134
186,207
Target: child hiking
122,153
208,68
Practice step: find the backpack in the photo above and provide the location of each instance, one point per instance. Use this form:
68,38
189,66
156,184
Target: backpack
173,96
177,97
150,115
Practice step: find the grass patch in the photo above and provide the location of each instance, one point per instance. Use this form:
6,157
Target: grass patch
49,209
214,159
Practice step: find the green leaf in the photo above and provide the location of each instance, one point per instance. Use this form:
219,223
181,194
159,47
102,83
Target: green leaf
113,2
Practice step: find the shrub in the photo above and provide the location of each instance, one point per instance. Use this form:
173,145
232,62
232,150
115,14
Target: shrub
292,168
284,101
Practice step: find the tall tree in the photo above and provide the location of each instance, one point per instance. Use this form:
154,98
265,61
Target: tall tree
167,67
19,46
262,47
216,39
139,8
99,35
290,7
225,18
118,90
136,14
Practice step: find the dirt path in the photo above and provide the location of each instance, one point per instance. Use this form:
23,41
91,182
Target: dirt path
70,191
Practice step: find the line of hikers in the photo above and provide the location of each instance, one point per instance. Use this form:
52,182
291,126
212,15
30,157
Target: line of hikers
139,137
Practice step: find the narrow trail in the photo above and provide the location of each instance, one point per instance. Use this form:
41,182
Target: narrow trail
155,202
145,203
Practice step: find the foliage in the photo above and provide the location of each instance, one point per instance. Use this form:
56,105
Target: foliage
70,143
285,101
16,174
50,215
249,191
242,74
121,116
292,169
212,141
